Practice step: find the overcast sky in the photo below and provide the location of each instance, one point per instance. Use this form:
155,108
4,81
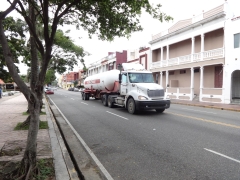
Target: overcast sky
178,9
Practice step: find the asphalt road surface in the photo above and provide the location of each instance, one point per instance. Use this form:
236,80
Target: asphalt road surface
182,143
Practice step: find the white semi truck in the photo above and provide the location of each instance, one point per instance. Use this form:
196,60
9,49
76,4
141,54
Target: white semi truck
132,87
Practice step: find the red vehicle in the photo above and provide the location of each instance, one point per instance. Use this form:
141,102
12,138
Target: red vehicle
49,91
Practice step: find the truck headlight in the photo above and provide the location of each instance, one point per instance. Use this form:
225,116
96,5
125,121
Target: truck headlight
142,98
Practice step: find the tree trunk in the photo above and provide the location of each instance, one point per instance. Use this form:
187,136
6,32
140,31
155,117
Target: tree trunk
29,159
28,164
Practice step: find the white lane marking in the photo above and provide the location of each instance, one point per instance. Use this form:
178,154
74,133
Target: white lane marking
199,111
222,155
65,96
117,115
99,164
72,98
84,103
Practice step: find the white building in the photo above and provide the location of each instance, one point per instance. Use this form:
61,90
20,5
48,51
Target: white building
199,57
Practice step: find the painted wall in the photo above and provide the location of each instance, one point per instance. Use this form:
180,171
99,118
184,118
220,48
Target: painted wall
180,49
213,40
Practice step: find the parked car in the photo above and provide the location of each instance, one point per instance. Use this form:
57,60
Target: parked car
45,89
70,89
76,89
81,90
49,91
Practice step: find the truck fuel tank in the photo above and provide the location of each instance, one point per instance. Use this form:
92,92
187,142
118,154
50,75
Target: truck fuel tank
102,81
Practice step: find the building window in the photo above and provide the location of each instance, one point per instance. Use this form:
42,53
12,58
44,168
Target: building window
237,40
171,72
182,71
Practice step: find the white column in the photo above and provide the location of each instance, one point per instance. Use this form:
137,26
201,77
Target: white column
193,48
161,75
161,53
201,83
166,80
202,46
192,83
223,84
167,55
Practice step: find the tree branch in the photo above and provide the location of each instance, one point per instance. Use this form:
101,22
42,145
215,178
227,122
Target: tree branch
31,28
10,9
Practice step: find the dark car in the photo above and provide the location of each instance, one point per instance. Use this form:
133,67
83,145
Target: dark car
49,91
70,89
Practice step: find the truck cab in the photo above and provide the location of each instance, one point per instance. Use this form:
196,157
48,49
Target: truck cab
138,91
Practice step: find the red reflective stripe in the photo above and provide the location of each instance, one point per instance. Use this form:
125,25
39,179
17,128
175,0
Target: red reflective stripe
95,81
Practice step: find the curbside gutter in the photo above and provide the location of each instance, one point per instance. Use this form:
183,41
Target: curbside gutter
86,163
64,168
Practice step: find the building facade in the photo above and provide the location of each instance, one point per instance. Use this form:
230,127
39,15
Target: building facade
69,79
139,56
108,63
199,58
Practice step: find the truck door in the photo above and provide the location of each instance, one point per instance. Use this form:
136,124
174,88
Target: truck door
124,84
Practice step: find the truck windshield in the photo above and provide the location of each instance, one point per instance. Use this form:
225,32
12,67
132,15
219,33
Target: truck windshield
141,78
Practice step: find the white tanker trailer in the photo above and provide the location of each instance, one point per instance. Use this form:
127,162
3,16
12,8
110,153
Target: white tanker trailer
133,88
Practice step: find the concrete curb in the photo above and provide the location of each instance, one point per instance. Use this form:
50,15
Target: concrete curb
207,106
64,168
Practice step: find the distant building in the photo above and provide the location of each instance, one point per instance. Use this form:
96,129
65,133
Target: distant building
139,56
108,63
69,79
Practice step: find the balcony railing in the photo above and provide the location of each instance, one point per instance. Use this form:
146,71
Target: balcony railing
191,58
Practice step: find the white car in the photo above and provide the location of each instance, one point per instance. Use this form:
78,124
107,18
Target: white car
81,90
46,88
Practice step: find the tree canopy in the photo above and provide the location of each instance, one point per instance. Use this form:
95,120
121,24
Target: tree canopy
15,35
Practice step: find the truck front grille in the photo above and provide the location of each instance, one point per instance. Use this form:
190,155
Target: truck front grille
155,93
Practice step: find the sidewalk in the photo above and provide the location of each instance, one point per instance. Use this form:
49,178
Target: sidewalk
229,107
49,144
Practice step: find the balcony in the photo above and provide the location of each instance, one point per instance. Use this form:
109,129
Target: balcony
191,58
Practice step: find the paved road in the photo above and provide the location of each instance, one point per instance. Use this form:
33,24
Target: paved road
182,143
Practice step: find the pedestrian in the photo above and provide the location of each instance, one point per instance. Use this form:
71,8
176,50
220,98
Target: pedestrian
0,92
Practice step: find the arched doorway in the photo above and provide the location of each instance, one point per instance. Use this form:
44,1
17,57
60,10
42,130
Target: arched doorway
236,86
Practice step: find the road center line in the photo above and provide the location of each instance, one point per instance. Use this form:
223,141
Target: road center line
206,120
199,111
117,115
222,155
84,103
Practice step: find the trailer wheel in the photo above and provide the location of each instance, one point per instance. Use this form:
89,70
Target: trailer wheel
110,103
131,107
160,110
104,100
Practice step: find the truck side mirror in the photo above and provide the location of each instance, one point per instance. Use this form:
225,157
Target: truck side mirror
120,78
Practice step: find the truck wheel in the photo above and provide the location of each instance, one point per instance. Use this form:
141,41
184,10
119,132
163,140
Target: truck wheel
83,96
86,97
104,100
131,107
110,103
159,110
